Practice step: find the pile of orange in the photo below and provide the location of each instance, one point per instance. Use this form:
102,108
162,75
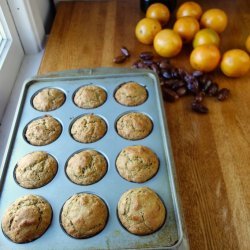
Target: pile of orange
192,25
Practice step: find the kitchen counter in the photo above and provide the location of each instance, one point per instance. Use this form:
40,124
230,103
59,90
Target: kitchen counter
212,151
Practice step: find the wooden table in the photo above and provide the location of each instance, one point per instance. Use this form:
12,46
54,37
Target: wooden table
211,152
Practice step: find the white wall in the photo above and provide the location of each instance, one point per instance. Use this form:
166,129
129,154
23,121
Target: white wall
46,12
31,19
44,9
57,1
11,57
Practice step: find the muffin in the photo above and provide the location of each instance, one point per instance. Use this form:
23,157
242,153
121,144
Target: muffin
141,211
88,128
86,167
35,170
137,163
134,126
84,215
27,219
43,131
90,96
48,99
131,94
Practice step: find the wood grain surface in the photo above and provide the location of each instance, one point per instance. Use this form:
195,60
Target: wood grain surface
211,152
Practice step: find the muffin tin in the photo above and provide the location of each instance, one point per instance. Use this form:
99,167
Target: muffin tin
112,185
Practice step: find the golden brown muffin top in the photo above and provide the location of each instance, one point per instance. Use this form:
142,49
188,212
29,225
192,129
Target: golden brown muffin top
84,215
131,94
141,211
27,218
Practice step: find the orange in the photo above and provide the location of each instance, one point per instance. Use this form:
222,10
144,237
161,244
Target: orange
235,63
247,44
159,12
186,27
205,58
189,9
206,36
146,29
167,43
215,19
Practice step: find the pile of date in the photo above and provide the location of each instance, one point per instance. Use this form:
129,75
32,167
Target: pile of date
176,82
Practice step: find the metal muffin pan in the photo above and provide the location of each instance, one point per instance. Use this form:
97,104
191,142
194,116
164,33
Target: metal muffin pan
112,185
